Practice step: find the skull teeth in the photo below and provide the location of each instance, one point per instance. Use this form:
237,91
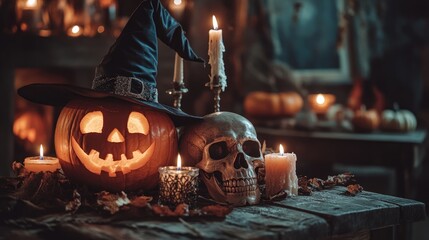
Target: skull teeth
239,185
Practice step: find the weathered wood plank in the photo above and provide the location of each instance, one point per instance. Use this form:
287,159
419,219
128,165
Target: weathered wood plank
410,210
323,215
346,214
252,222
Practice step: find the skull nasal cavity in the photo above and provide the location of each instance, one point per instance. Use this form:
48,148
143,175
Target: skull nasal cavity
240,162
115,136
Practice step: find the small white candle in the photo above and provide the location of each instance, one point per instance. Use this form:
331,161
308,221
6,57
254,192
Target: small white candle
178,70
280,173
216,49
41,163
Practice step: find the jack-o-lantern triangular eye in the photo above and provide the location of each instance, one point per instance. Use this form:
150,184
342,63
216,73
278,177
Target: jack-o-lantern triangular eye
92,122
137,123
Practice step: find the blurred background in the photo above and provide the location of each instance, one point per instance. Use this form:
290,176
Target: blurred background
342,83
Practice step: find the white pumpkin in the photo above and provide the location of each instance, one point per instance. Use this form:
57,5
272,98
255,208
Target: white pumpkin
398,121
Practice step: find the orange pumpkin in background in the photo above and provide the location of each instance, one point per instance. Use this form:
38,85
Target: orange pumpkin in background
366,120
113,145
264,104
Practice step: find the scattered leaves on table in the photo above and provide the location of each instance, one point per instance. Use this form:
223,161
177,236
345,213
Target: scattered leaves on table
306,186
183,210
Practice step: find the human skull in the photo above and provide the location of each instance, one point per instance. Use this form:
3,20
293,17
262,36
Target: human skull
225,148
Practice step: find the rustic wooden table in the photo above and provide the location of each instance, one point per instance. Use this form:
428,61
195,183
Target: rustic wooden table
325,214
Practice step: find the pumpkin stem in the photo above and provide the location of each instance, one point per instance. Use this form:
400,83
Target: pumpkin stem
395,106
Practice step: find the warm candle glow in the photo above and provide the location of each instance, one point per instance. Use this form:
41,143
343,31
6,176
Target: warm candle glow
41,151
215,26
31,3
75,29
281,150
320,99
179,162
177,2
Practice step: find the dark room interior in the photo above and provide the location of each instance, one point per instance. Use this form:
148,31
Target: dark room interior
342,85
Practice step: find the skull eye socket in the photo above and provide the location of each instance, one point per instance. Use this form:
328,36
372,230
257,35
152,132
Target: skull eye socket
218,150
251,148
92,122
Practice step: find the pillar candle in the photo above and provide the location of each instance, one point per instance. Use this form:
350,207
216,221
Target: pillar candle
216,49
178,70
280,173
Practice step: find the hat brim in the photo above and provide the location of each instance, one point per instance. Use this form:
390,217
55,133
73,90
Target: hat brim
61,94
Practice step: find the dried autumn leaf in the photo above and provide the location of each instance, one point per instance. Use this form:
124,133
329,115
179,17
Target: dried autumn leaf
111,202
74,204
303,188
162,210
141,201
216,210
316,183
353,189
182,210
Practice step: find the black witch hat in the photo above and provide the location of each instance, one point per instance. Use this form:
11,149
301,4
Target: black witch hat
129,69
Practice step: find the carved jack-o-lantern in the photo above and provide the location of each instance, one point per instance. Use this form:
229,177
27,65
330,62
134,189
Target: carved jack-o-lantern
113,145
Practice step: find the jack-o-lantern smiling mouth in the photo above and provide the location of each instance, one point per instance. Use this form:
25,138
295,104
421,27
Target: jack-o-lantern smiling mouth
95,164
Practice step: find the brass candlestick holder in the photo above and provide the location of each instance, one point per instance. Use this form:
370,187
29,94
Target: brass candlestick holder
177,92
216,87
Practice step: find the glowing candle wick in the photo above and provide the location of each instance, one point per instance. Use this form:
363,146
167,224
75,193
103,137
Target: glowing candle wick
41,152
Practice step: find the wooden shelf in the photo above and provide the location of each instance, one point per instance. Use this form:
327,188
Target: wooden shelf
36,51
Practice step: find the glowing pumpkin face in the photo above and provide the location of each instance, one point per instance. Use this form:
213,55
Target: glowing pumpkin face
113,145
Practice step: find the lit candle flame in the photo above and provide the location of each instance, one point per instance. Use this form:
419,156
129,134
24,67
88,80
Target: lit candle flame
31,3
179,162
75,29
177,2
41,152
215,26
320,99
281,150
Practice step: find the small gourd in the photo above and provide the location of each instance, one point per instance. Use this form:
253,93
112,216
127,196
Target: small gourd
398,120
366,120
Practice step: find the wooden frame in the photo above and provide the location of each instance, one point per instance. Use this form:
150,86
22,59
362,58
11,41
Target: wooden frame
331,76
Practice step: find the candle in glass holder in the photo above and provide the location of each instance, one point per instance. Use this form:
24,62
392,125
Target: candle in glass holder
178,184
320,103
280,173
41,163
